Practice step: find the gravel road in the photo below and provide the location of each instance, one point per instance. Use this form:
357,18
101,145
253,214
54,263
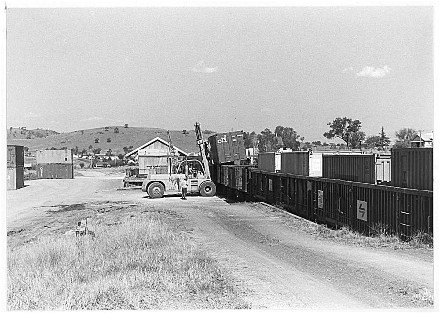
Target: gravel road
270,258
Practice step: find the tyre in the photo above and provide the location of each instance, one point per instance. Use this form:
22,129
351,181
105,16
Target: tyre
207,189
155,190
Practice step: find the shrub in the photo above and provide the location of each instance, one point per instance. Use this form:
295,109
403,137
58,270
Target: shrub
81,164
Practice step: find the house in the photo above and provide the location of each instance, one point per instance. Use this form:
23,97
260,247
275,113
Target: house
423,140
153,156
155,147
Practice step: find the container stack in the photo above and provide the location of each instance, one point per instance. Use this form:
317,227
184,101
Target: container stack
15,164
54,164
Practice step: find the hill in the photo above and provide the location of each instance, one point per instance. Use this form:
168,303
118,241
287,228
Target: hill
23,133
111,137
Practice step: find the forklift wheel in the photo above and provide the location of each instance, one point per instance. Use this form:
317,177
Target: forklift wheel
155,190
207,189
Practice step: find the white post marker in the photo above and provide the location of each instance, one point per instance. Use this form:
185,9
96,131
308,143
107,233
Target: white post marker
320,199
362,210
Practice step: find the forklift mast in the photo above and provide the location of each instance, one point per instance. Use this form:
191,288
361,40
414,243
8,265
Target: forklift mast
201,145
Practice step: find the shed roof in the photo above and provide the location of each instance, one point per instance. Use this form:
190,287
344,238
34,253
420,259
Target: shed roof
151,142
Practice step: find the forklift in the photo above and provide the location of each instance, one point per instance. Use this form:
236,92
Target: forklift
196,172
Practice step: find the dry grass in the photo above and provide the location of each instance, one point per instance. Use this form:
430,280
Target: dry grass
379,237
138,264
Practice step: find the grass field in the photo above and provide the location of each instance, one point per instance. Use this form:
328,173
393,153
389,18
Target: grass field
137,264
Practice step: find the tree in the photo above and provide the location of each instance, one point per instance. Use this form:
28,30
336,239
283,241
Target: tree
250,139
372,142
116,130
384,140
120,156
288,136
345,129
266,140
317,143
97,150
109,140
90,147
404,137
356,139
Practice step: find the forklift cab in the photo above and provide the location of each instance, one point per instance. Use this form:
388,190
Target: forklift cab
191,168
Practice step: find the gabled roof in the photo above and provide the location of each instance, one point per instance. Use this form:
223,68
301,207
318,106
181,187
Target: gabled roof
150,142
424,137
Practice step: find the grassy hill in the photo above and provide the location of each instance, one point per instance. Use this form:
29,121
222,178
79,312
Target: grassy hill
112,137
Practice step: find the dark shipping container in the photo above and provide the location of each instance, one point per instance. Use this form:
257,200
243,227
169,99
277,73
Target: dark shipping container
269,161
357,168
15,178
412,168
63,171
15,156
304,163
227,147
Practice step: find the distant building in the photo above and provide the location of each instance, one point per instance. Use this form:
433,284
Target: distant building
423,140
155,147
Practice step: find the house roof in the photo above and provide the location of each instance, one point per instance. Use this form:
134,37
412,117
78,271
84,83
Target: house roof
152,141
424,137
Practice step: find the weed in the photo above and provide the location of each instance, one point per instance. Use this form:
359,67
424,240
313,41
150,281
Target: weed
138,264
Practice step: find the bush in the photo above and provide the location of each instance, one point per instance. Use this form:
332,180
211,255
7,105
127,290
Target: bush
81,164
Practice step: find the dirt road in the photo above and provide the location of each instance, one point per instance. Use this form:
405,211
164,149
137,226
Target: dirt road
269,257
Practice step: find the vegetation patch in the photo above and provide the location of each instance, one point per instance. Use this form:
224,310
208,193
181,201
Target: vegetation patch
138,264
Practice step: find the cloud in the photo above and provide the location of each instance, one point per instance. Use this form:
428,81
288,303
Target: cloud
369,71
202,68
348,69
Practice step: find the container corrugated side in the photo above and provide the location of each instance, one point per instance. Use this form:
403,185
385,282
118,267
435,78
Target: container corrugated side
227,147
302,163
357,168
266,161
412,168
54,156
15,156
54,170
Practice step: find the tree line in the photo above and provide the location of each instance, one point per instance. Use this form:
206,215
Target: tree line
346,129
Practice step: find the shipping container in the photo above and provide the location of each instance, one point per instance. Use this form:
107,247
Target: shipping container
54,156
269,161
304,163
227,147
412,168
54,170
358,168
15,156
15,178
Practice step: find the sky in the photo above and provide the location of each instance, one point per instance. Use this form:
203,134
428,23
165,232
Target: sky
240,68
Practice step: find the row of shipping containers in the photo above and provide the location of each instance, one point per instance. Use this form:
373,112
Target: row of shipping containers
227,148
15,167
54,164
405,167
